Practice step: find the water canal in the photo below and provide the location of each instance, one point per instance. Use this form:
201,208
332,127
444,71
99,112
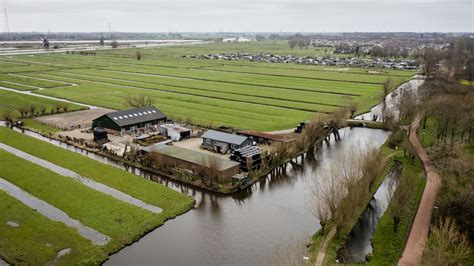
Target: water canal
359,243
244,228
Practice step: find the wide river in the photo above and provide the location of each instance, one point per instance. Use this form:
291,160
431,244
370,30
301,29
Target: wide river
246,228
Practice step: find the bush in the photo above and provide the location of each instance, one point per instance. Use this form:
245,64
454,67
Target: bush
395,139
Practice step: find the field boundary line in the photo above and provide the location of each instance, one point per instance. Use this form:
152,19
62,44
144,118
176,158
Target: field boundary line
53,213
117,194
201,89
233,82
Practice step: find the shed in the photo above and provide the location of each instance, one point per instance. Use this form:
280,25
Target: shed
222,142
130,120
175,132
265,138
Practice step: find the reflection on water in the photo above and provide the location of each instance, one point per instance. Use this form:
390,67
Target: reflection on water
53,213
243,228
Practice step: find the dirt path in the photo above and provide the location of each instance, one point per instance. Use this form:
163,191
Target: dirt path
322,248
420,228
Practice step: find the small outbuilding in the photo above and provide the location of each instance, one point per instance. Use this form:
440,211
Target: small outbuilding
265,138
132,120
175,132
222,142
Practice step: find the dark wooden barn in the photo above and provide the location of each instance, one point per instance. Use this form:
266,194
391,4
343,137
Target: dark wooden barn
130,120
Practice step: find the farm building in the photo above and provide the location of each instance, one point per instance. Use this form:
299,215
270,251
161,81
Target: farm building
265,138
131,120
222,142
175,132
189,159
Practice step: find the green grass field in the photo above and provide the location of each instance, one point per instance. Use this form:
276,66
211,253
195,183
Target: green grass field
238,94
123,222
10,102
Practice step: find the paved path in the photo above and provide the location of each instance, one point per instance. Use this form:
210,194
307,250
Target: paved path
421,225
323,247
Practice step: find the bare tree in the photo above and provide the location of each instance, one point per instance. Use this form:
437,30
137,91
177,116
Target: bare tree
43,109
23,111
336,192
448,245
400,198
387,87
141,100
430,59
7,116
32,109
326,194
114,44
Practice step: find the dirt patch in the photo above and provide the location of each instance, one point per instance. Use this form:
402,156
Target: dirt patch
13,224
79,119
87,135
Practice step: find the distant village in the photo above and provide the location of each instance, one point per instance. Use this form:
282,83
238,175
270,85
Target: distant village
407,64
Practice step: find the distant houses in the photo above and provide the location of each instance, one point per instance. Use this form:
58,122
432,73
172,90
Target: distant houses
132,120
222,142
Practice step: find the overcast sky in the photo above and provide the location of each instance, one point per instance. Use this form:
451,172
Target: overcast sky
240,15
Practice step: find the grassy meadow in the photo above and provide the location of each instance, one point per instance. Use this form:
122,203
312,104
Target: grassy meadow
11,102
123,222
239,94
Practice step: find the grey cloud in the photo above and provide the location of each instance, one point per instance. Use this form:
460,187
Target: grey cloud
244,15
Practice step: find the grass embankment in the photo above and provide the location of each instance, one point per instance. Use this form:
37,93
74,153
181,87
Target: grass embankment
38,239
335,244
148,191
11,102
40,127
118,220
388,245
123,226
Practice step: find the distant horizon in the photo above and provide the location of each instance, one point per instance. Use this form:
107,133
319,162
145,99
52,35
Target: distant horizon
198,16
245,32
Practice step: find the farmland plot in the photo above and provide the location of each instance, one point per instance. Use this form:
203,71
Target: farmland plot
238,94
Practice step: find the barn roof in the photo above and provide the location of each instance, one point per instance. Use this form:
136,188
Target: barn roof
224,137
136,116
193,157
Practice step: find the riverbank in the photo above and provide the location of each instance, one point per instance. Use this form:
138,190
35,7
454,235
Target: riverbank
387,244
141,222
421,224
332,242
272,204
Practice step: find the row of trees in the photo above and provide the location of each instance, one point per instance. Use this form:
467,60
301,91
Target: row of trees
299,40
449,118
451,64
35,110
337,192
389,52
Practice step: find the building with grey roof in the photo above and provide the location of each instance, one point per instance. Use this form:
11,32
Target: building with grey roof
222,142
194,160
130,120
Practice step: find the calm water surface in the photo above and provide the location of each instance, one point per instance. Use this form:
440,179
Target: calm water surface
243,229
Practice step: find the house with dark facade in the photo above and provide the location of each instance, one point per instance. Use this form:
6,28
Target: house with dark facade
132,120
222,142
